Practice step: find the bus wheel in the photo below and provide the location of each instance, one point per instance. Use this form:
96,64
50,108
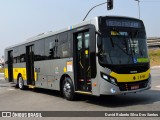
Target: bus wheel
68,89
21,83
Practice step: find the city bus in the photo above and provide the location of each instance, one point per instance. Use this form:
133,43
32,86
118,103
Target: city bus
106,55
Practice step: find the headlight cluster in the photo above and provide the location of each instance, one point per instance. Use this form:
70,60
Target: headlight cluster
109,78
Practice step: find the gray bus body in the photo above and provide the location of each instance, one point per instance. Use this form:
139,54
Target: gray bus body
79,54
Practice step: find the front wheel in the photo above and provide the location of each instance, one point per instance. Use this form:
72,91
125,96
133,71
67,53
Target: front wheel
68,89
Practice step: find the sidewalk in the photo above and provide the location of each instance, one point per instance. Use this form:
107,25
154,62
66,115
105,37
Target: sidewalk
1,76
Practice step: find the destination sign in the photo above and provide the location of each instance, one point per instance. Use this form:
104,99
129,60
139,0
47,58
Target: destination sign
121,23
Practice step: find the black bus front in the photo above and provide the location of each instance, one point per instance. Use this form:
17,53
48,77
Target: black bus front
122,55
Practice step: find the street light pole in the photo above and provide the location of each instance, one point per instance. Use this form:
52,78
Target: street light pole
139,8
93,8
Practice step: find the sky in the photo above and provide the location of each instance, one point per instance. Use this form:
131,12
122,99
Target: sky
23,19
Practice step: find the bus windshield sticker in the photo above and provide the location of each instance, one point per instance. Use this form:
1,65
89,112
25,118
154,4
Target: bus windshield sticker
135,60
140,60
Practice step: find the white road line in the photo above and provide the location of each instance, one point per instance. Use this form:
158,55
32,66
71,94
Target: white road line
10,89
158,86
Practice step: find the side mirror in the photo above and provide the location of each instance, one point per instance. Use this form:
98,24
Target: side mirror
99,41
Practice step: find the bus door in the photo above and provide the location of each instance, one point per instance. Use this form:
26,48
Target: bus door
10,66
30,65
82,58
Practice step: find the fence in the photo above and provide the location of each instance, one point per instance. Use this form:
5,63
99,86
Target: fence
153,42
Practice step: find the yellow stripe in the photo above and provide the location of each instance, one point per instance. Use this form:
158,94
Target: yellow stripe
21,71
6,73
17,71
131,77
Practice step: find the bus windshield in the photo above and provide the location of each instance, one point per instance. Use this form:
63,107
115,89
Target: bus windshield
123,46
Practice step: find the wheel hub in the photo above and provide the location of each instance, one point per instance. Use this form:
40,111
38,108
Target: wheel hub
67,89
20,82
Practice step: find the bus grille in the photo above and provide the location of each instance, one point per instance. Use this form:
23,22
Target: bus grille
133,86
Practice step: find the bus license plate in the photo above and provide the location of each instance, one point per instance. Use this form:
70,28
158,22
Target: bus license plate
134,87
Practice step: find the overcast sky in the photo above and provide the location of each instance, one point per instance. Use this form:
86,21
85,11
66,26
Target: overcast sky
22,19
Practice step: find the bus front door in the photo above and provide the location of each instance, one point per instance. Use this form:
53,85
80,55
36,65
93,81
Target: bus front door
82,61
30,65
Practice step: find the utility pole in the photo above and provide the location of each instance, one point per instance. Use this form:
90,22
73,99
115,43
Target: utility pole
139,8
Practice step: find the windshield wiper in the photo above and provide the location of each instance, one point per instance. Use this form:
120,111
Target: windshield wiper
111,41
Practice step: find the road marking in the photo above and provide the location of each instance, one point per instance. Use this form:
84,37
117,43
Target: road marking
10,89
158,86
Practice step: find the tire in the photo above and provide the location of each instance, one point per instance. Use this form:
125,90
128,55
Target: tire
21,83
17,86
68,89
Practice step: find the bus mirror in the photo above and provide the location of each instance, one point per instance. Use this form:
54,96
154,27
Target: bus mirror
99,41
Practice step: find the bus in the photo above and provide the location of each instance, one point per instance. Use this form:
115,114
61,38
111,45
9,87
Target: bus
106,55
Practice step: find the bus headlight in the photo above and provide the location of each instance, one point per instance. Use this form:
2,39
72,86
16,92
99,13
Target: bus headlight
112,80
109,78
105,77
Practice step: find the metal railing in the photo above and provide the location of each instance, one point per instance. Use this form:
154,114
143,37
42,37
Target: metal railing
153,42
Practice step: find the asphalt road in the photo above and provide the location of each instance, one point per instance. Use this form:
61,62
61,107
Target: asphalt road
12,99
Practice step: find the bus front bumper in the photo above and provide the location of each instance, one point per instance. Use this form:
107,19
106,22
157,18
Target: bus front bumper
107,88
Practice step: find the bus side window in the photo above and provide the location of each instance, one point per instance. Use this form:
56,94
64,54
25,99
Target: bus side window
55,49
51,50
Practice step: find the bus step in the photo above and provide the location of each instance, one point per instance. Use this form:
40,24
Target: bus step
31,86
88,83
82,92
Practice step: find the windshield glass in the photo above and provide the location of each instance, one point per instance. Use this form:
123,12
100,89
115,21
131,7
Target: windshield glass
123,46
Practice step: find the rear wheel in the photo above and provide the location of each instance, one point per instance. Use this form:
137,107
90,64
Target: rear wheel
68,89
21,83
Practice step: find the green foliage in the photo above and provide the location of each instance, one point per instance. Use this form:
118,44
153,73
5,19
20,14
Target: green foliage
154,52
154,55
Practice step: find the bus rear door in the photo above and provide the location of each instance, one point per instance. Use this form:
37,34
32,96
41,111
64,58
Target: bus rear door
10,66
30,65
